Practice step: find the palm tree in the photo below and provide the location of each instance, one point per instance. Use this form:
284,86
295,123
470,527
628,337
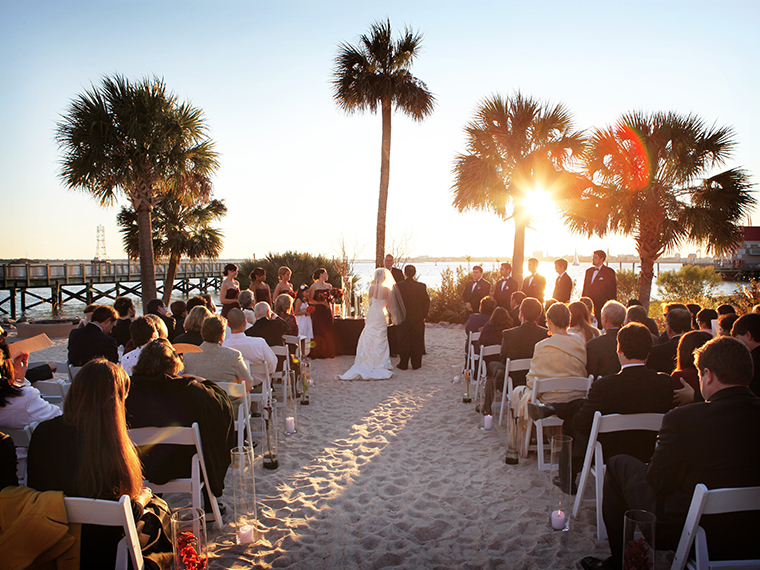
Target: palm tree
645,177
179,230
375,73
514,145
139,141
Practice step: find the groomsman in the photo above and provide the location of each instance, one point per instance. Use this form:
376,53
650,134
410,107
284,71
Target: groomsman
563,287
412,331
504,287
600,284
475,290
534,284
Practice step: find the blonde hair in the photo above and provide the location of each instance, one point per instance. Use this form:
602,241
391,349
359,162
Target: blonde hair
283,303
195,318
283,270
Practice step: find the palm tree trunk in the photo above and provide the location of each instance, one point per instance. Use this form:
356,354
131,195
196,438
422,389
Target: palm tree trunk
171,272
147,264
385,171
518,254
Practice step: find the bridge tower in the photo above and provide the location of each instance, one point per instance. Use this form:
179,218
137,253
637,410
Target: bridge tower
100,248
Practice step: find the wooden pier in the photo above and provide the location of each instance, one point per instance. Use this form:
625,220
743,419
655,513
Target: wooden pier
76,280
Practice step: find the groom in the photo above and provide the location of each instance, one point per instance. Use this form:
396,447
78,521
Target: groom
412,330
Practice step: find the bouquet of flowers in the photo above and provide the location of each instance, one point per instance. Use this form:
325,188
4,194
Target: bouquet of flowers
322,295
337,295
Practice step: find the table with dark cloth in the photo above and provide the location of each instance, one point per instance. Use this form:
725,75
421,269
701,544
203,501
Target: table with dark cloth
347,333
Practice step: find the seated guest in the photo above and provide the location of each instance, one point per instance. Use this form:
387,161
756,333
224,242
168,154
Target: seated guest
590,306
254,349
662,358
266,327
726,324
34,373
638,314
246,305
493,330
706,442
258,286
515,301
87,453
8,475
159,397
580,322
283,308
601,352
664,338
157,307
179,312
92,340
209,303
694,309
747,329
685,376
87,314
561,355
634,390
650,323
217,362
196,301
478,319
726,309
143,331
705,317
126,309
192,326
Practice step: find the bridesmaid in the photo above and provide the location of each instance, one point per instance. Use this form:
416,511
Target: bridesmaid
322,317
230,289
284,286
260,289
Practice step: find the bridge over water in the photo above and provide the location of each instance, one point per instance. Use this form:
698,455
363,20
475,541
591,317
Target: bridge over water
58,282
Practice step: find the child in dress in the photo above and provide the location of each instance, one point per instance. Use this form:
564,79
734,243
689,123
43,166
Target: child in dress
303,317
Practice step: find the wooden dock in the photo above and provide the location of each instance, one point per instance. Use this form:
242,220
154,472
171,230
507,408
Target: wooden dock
76,280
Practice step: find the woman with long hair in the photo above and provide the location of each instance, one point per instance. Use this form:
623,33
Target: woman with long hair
580,322
686,373
230,289
322,316
284,286
86,452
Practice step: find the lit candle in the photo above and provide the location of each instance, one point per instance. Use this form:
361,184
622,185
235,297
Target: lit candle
290,424
245,534
558,520
487,422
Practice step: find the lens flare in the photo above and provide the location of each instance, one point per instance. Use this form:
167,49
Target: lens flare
636,165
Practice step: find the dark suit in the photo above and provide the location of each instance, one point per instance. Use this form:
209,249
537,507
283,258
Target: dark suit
601,289
662,357
474,291
398,275
534,288
714,443
754,385
90,341
412,330
120,331
563,288
601,354
503,290
271,330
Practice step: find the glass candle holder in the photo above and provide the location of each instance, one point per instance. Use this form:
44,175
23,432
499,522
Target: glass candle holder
270,460
189,539
638,540
466,399
291,415
244,496
560,476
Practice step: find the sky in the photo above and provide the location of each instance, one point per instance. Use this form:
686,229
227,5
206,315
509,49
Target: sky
296,173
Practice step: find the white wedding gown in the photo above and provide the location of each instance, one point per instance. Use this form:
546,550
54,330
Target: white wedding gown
373,361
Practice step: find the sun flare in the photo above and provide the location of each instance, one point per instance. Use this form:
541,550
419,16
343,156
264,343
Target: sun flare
538,205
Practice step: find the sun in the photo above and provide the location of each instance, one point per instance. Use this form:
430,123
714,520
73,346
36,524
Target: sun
539,205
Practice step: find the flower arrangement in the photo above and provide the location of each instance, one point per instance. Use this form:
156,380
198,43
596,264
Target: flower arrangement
637,555
337,295
186,546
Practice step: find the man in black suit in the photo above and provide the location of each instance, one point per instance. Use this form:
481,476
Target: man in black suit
504,287
534,284
518,342
475,290
601,352
663,356
412,330
395,271
268,326
710,442
634,390
600,283
563,286
92,339
157,307
747,329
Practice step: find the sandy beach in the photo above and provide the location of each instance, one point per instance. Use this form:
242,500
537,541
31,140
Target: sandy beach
397,474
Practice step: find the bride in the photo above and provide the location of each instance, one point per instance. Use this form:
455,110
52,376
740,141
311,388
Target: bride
373,359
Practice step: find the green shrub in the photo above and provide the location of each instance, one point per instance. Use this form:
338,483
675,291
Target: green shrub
302,266
627,285
690,284
746,295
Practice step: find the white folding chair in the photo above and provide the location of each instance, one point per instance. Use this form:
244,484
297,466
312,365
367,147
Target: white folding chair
579,384
705,502
301,343
282,377
491,350
516,365
109,513
174,435
53,391
472,354
21,439
236,390
607,424
261,399
72,371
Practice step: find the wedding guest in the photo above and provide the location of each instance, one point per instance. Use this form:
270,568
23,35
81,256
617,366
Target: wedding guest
747,329
322,317
159,397
638,314
230,289
284,285
477,320
86,452
650,323
193,324
254,350
196,301
142,332
301,310
726,309
217,362
705,317
179,312
493,330
260,289
92,340
209,303
694,310
87,314
283,308
685,376
580,322
266,327
590,306
126,309
158,308
246,305
41,372
516,300
726,323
